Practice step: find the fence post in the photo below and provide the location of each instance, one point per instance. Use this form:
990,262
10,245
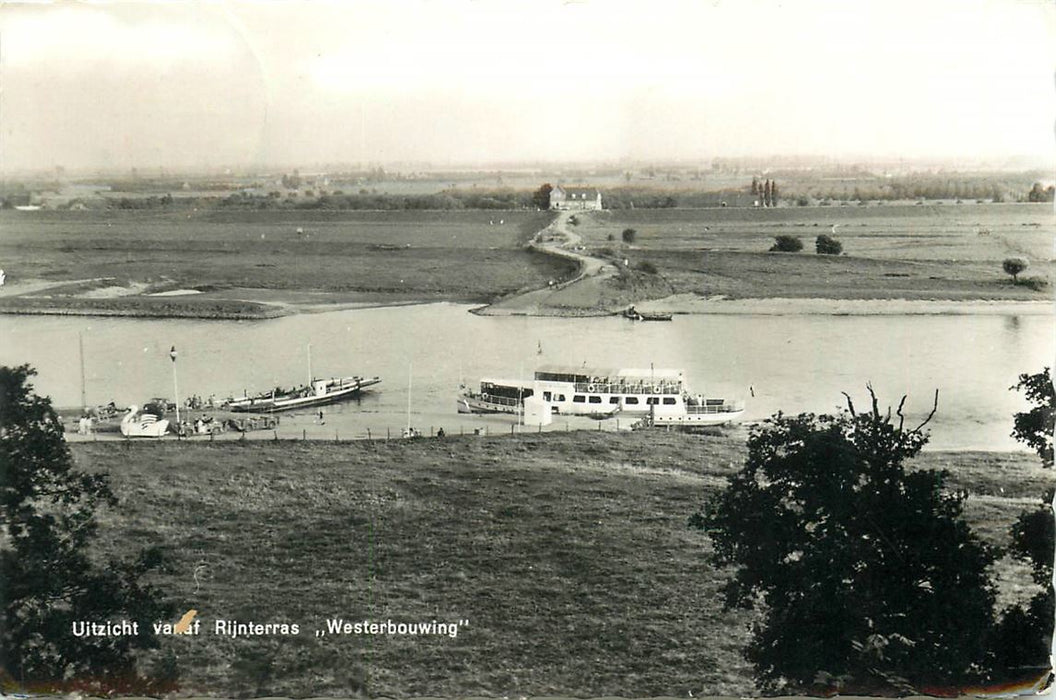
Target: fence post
388,435
304,434
368,434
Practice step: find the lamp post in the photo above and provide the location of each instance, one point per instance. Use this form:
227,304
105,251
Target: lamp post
175,386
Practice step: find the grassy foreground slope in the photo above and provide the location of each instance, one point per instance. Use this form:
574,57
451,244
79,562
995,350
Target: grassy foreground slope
568,554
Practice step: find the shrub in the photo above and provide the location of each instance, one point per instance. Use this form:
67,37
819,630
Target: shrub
827,245
628,235
647,267
1035,283
786,244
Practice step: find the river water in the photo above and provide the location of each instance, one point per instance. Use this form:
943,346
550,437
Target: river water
791,363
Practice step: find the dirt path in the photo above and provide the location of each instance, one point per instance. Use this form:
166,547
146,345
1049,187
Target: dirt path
561,240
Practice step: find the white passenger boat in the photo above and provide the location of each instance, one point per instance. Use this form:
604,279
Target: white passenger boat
661,394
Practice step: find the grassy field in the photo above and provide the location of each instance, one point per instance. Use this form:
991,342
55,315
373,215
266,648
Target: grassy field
890,252
568,554
244,255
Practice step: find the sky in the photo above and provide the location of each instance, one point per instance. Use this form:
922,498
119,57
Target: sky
274,84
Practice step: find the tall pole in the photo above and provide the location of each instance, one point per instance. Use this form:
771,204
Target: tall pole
84,401
410,375
175,386
310,378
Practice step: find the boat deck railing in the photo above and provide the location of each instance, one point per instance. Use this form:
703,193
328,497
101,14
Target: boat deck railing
724,407
657,387
499,400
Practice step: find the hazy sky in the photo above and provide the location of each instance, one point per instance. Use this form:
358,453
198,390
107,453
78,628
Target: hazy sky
181,85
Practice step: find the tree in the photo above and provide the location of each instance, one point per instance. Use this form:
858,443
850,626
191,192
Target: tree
629,235
48,578
1035,427
773,193
755,185
786,244
867,578
1014,266
1023,637
541,197
827,245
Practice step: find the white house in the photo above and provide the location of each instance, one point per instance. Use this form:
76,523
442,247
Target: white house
574,197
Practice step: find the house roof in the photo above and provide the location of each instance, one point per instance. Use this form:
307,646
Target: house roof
580,191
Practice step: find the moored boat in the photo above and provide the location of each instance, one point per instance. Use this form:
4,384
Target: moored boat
143,424
661,394
636,315
318,393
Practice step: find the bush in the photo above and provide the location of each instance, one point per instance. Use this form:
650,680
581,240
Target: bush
827,245
647,267
628,235
786,244
1035,283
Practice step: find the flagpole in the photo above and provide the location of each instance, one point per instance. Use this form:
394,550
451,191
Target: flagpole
175,386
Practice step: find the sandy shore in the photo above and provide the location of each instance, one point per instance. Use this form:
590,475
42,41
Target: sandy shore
693,304
540,302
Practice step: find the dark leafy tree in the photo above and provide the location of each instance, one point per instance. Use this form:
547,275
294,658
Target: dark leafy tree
1035,427
755,185
767,192
541,197
49,578
827,245
786,244
1014,266
866,577
1023,638
773,193
629,235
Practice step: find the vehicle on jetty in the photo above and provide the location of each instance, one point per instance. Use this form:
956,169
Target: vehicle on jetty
636,315
318,393
137,424
604,393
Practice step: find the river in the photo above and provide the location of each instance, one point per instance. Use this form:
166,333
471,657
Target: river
791,363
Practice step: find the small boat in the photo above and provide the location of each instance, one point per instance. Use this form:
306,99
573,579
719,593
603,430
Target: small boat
495,396
636,315
318,393
136,424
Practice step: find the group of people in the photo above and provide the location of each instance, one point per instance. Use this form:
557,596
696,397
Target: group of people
196,402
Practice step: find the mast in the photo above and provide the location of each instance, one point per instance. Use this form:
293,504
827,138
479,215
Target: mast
410,375
310,377
84,402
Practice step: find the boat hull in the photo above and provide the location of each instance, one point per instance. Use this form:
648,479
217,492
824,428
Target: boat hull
276,404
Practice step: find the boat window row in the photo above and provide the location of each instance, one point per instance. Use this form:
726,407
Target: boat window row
613,400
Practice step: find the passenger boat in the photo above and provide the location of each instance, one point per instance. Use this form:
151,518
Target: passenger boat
661,394
318,393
